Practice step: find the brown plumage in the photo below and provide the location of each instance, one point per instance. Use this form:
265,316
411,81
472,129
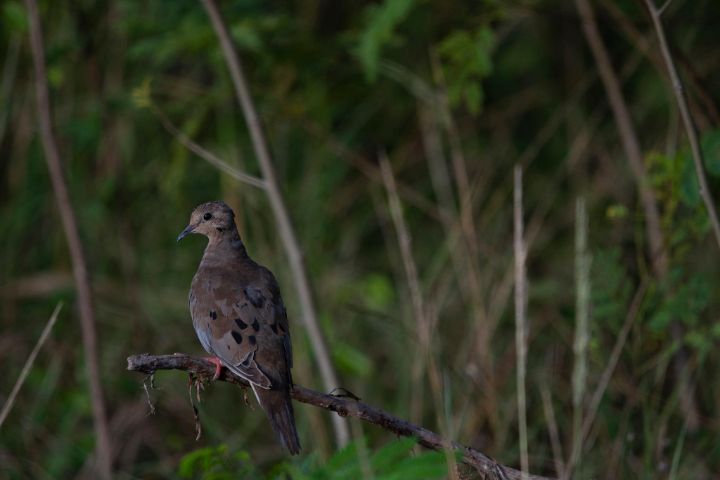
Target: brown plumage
240,318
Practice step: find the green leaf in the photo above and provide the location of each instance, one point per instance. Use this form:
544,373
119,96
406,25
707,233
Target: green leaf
391,453
345,458
467,60
379,292
382,20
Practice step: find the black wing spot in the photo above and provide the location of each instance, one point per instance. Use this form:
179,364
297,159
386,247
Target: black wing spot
238,337
255,296
274,328
256,325
213,314
240,323
246,362
252,339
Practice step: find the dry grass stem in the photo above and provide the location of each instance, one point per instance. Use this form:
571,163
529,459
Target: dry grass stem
7,406
582,329
521,322
420,312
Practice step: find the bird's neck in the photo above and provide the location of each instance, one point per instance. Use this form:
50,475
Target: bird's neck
225,244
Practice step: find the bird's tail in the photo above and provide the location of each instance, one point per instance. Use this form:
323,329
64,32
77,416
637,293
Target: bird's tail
279,410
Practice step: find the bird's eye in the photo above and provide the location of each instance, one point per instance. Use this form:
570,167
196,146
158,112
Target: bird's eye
207,216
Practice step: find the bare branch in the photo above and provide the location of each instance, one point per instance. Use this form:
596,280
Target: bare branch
29,363
345,407
77,254
277,203
206,155
690,130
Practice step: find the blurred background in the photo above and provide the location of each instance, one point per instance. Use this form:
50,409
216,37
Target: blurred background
394,128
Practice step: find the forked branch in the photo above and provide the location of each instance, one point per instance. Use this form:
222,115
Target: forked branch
485,466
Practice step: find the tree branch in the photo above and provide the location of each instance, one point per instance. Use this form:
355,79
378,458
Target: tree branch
149,364
77,253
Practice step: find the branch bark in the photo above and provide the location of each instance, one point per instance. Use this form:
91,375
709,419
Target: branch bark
287,233
77,254
149,364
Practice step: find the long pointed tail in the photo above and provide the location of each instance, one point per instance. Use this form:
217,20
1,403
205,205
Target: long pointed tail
279,410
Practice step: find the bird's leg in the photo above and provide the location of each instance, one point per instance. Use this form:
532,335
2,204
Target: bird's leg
218,366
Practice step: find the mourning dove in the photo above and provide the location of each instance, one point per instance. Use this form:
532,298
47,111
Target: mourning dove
240,319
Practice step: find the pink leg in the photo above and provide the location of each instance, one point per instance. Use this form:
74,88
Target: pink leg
218,366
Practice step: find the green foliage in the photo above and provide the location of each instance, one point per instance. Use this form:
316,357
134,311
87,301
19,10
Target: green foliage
467,61
394,461
683,303
380,31
13,17
216,463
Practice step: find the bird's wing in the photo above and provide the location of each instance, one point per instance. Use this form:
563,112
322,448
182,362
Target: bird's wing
244,324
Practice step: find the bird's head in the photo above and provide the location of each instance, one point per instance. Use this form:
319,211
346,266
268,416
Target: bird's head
210,219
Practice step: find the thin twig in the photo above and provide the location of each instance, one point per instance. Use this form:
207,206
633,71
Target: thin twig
346,407
664,7
285,228
206,155
521,327
420,312
690,130
552,429
29,363
422,328
77,254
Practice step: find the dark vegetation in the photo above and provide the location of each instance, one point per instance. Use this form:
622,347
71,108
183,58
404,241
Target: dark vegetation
394,127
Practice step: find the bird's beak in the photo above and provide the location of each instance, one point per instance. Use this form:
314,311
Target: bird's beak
188,230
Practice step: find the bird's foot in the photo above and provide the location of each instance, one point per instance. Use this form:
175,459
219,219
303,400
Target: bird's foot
218,366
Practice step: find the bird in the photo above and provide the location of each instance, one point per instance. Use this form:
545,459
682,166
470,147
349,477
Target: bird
240,319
